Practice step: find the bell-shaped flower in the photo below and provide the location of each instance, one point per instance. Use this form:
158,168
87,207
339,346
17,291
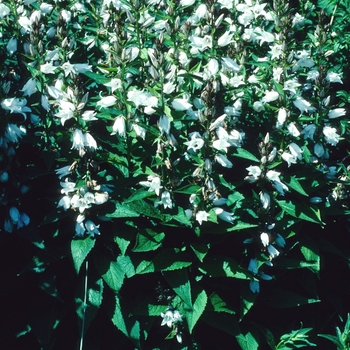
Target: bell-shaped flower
331,135
11,46
265,239
181,104
265,199
224,215
333,77
91,228
16,105
309,131
201,216
196,142
336,113
153,184
119,127
223,161
165,200
106,102
254,173
319,150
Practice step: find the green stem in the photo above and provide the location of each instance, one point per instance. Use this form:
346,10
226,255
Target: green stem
84,306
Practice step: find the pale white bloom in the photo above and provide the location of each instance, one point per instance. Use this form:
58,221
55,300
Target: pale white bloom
277,72
89,116
276,51
270,96
295,150
258,106
201,216
11,46
254,173
64,202
169,87
68,68
309,131
225,39
78,141
196,142
13,133
319,150
273,252
106,102
142,98
335,113
139,130
298,20
29,87
181,104
46,8
303,105
79,225
224,215
199,44
66,111
114,84
82,67
67,187
265,199
281,117
16,105
153,184
293,130
4,10
331,135
171,317
119,127
91,228
165,200
48,68
290,85
289,158
265,239
230,64
333,77
223,161
164,124
90,142
64,171
313,75
66,15
100,198
187,2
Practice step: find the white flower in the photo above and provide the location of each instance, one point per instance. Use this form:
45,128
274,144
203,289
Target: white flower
273,252
258,106
309,131
165,200
66,15
107,101
289,158
303,105
265,199
68,68
254,173
114,84
225,39
13,132
141,98
16,105
164,124
4,10
201,216
196,142
335,113
223,161
119,127
91,228
89,116
100,198
181,104
281,117
293,130
171,317
319,150
265,239
64,202
290,85
187,2
298,20
333,77
270,96
78,141
224,215
295,150
277,72
82,67
331,135
169,87
48,68
230,64
90,142
11,46
153,183
67,187
46,8
29,88
64,171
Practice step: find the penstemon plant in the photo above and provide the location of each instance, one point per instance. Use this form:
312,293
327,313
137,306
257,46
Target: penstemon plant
171,171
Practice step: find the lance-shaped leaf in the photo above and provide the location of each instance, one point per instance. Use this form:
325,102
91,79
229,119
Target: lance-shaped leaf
80,248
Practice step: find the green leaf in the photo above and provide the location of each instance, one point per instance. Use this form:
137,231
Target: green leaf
123,211
188,189
86,312
80,248
221,266
294,184
311,252
219,305
179,282
166,260
100,79
247,342
148,240
114,276
300,211
333,339
197,310
243,153
278,298
138,195
200,250
126,265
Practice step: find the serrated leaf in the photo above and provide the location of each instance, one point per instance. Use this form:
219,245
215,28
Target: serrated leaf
126,265
114,276
247,342
123,211
300,211
222,266
80,248
138,195
166,260
97,77
179,282
148,240
219,305
200,249
188,189
197,310
294,184
243,153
